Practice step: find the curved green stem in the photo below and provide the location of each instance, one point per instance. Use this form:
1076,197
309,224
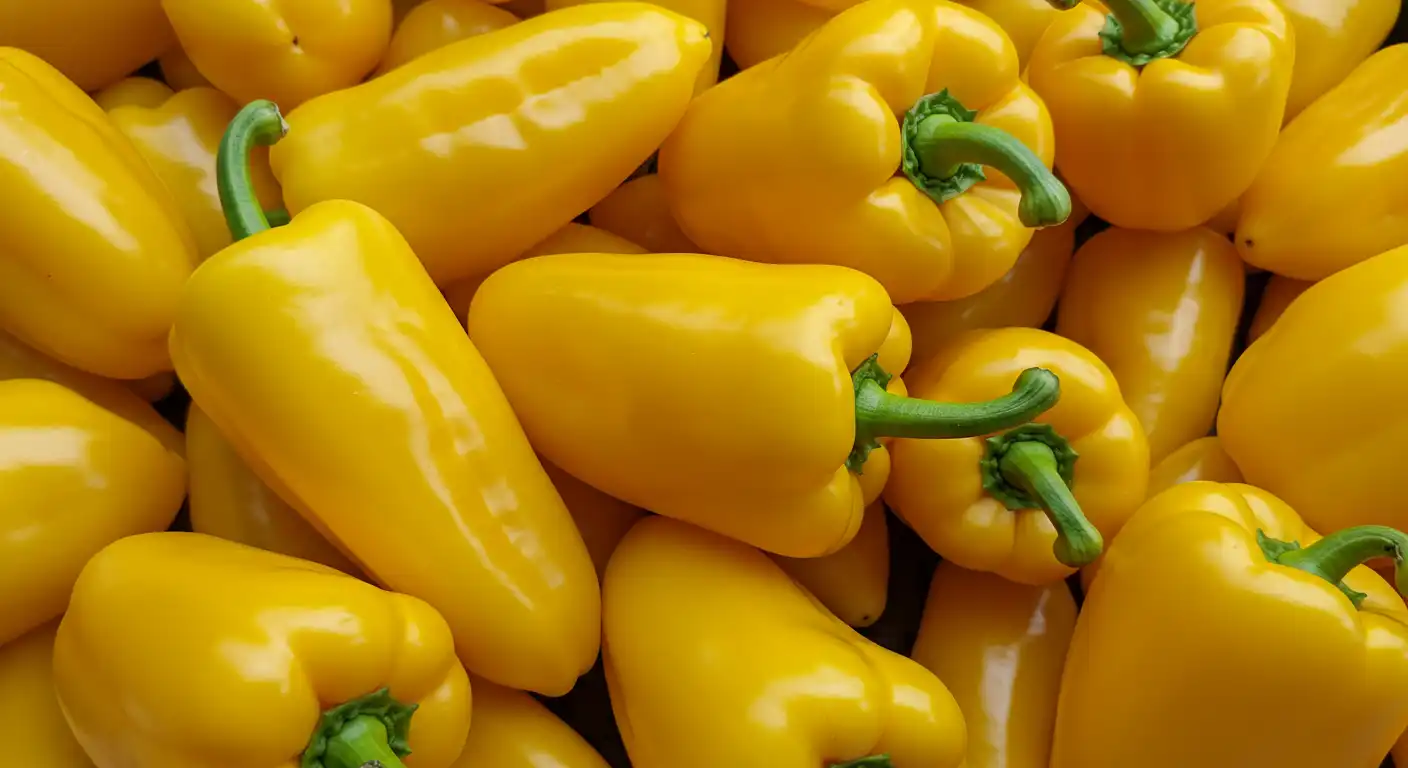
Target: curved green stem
258,124
277,217
1140,31
367,732
874,761
361,742
1333,557
1032,467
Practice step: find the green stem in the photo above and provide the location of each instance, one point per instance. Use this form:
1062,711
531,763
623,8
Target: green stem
258,124
1032,467
1146,28
944,145
367,731
361,742
874,761
1333,557
277,217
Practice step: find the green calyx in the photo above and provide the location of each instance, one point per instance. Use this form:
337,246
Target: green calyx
1033,467
1140,31
370,730
1333,557
944,152
874,761
257,124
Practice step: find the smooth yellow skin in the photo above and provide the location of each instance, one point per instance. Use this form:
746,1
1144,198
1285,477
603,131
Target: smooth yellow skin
601,519
437,23
999,648
31,723
179,138
95,251
711,13
704,634
639,212
1023,20
719,391
481,149
936,486
1333,191
289,51
1167,146
133,91
758,30
1280,292
181,649
1161,309
75,478
1332,37
94,44
179,71
795,161
1257,664
512,730
329,360
229,500
852,582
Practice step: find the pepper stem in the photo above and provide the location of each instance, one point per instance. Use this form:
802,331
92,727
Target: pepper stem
258,124
362,742
1032,467
1140,31
874,761
1333,557
368,732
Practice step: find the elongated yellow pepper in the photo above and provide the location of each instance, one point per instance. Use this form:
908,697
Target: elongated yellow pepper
512,730
94,44
853,581
32,726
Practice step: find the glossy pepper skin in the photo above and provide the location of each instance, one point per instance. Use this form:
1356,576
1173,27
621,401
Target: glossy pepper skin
758,30
618,77
1280,292
740,397
1201,459
1337,471
601,519
1154,147
288,51
798,160
96,252
852,582
512,730
181,649
1024,21
701,630
1332,37
76,478
94,44
435,24
1020,504
1161,309
179,71
999,648
711,13
31,722
1246,629
639,212
133,91
1332,192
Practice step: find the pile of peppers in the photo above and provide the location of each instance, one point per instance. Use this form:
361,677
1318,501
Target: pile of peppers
703,384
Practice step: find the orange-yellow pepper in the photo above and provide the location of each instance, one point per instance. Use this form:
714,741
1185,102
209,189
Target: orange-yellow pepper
601,519
1400,750
1280,292
639,212
31,723
999,648
512,730
324,354
1332,37
133,91
76,477
758,30
704,631
179,71
182,649
1164,110
289,51
740,397
1161,309
1213,639
1201,459
1036,502
852,582
1333,191
711,13
94,44
524,130
803,160
96,252
437,23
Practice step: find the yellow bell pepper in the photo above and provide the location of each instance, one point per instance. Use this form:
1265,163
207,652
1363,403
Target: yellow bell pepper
758,30
639,212
94,44
524,9
331,363
601,519
1201,459
179,71
76,478
1164,110
133,91
707,635
524,130
181,649
96,252
288,51
400,9
512,730
1036,502
852,582
1280,292
1332,37
778,165
1161,309
740,397
178,137
1332,193
31,724
710,13
1213,639
1024,21
999,648
435,24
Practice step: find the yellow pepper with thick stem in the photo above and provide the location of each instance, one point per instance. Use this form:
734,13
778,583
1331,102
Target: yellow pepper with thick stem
1279,293
182,649
1164,109
1224,633
1332,37
740,397
711,13
1034,503
1161,309
375,400
32,726
706,634
852,582
639,212
999,648
133,91
480,149
803,160
435,24
512,730
94,44
96,252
